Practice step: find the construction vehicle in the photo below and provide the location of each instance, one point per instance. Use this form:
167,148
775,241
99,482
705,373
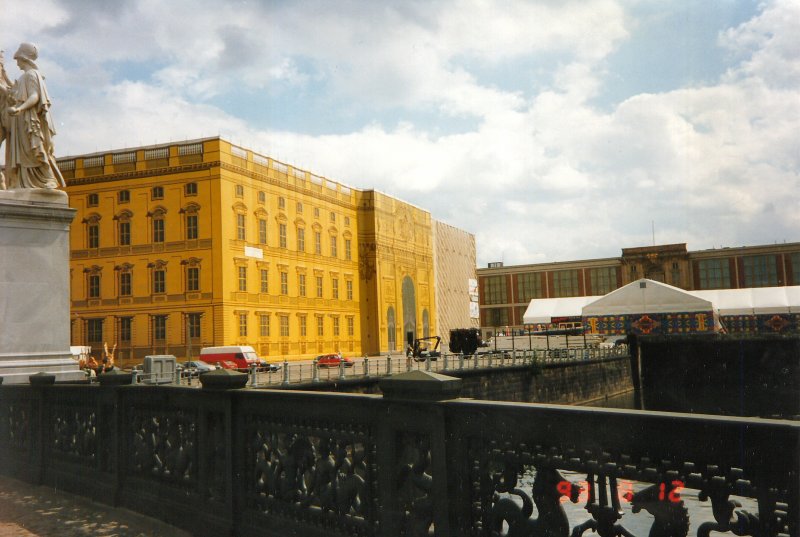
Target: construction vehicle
465,340
421,349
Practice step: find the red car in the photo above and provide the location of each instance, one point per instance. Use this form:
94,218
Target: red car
332,360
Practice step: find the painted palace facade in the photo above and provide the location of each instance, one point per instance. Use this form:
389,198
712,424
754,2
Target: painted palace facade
179,246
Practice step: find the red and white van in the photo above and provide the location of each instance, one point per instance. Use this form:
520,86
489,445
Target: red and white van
242,355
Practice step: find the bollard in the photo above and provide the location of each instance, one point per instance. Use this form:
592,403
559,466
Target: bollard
314,371
389,364
428,363
285,373
253,374
366,366
341,369
408,362
445,361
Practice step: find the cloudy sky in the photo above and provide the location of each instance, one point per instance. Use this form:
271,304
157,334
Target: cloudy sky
552,130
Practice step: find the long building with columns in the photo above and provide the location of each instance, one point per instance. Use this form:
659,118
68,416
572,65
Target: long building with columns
185,245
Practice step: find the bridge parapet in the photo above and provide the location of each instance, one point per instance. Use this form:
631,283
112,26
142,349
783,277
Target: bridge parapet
256,462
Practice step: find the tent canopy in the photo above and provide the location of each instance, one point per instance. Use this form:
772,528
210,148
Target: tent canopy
646,296
544,310
753,300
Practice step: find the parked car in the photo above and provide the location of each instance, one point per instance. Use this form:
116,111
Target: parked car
195,368
266,367
332,360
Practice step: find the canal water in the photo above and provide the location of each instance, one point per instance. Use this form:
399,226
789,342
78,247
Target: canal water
638,524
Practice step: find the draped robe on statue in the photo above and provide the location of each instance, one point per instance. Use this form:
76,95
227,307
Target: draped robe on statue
30,162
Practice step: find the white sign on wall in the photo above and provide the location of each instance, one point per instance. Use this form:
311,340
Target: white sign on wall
474,311
249,251
473,289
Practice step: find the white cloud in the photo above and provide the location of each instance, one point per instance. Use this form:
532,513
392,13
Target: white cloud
537,176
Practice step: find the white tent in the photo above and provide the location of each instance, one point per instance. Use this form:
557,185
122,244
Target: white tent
544,310
646,296
753,300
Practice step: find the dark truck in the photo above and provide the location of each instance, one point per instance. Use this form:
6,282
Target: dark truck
465,340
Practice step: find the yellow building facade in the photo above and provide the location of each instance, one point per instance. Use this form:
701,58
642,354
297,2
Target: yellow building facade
180,246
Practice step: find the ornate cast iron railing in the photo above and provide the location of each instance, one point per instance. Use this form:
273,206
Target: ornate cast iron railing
251,462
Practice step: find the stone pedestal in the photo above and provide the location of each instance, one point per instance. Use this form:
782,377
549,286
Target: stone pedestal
34,285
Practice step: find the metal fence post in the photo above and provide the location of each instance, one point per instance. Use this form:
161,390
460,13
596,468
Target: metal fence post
445,361
389,364
253,373
314,371
461,360
341,369
285,373
366,366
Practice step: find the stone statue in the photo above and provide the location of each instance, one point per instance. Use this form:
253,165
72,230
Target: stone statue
26,126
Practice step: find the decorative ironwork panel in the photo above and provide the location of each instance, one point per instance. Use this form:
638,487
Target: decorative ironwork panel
215,456
315,473
163,445
17,423
415,483
522,490
74,430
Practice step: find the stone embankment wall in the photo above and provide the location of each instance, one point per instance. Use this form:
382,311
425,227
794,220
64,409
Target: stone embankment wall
568,383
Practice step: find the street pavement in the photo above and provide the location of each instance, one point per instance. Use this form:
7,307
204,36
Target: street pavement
37,511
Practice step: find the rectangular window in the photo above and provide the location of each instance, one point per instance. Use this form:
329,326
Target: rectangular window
92,200
317,242
263,325
714,274
124,284
242,278
124,196
125,325
497,317
603,279
336,326
351,323
301,284
284,326
760,271
194,325
190,189
159,327
333,216
349,285
159,281
124,233
334,252
240,227
303,329
191,226
242,325
335,287
299,208
264,281
319,286
346,220
281,202
282,235
565,283
192,279
94,286
239,191
494,290
158,192
529,286
262,196
320,327
301,239
94,330
94,235
347,251
284,283
262,231
158,230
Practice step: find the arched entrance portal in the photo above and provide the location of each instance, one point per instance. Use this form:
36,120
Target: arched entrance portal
409,311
